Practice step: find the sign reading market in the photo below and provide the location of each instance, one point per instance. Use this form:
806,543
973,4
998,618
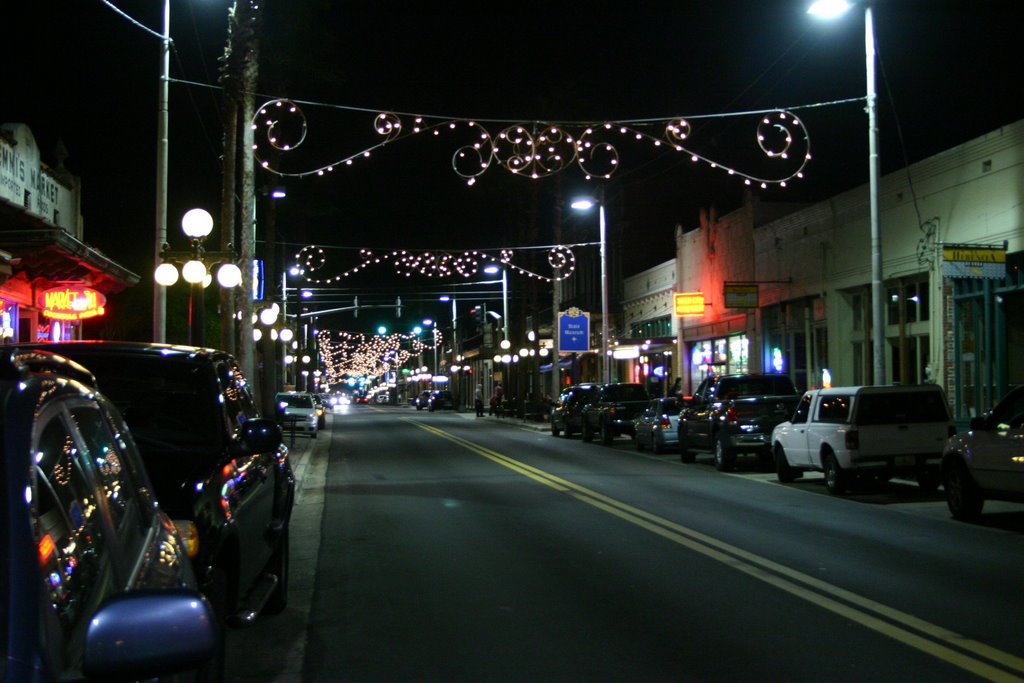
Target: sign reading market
73,302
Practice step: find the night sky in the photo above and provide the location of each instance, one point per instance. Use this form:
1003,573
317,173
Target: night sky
78,71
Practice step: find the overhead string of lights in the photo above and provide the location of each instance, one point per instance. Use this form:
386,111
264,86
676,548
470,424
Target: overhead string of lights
353,354
434,263
539,149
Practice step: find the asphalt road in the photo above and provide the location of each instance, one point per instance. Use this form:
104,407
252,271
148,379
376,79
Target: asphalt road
439,546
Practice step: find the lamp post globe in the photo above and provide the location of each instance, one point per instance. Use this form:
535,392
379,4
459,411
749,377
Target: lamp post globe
197,224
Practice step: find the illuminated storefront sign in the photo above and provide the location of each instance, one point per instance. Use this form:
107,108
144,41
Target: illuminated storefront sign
689,303
72,303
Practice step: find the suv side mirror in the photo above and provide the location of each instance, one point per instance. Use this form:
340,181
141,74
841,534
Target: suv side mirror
260,434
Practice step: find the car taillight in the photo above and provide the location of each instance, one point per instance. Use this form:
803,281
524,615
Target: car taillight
852,440
730,415
665,424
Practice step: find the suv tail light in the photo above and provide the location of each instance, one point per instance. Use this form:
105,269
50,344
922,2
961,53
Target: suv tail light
730,415
852,440
665,424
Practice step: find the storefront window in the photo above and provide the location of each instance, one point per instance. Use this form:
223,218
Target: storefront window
8,320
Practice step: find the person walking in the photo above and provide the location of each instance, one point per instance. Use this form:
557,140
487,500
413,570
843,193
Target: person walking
478,399
499,395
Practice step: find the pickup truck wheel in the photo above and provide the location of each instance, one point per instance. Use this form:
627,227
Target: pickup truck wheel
835,478
606,433
785,473
588,434
725,457
685,454
278,566
962,496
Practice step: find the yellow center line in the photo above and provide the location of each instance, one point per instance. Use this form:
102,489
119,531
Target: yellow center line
814,590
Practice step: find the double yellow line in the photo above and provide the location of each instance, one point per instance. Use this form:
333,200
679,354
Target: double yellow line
970,655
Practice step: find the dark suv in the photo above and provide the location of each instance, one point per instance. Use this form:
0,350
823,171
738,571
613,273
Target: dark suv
212,459
567,413
95,580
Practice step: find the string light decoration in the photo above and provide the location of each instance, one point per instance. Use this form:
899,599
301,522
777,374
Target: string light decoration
434,264
538,149
353,354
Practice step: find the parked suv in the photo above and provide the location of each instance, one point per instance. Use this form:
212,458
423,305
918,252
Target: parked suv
95,580
212,460
985,462
297,410
567,413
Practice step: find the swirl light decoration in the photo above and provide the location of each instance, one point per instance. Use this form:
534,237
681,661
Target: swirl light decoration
539,149
434,264
352,354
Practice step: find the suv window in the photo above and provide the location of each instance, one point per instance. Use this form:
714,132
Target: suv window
69,531
120,485
625,392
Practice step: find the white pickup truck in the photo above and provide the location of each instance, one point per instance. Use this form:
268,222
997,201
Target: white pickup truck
871,431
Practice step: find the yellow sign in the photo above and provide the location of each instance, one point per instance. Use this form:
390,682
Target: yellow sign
689,303
974,254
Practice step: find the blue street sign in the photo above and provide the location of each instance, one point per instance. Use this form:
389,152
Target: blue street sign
573,330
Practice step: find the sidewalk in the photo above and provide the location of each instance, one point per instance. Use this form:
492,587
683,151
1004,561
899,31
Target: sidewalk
512,421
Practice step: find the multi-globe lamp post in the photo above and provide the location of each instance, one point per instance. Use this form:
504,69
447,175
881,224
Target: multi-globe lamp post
197,224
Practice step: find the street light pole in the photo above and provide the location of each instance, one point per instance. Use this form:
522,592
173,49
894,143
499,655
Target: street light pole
829,9
582,205
877,293
605,360
159,293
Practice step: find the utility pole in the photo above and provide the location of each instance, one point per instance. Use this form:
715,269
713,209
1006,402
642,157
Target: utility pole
240,72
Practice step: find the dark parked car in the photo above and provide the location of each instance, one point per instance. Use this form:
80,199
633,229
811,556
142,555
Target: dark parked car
985,462
95,580
441,400
733,414
212,459
567,413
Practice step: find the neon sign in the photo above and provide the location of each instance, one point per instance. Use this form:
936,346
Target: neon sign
72,303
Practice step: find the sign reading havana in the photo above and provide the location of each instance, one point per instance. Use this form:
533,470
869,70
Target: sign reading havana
72,302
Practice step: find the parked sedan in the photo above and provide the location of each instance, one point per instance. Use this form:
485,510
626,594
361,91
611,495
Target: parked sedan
212,459
985,462
95,580
657,426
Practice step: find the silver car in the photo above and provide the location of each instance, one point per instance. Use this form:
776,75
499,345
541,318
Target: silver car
657,426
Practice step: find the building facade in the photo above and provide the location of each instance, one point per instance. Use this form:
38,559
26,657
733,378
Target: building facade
792,293
50,280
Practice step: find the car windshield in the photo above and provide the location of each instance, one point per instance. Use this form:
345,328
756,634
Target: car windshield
295,400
